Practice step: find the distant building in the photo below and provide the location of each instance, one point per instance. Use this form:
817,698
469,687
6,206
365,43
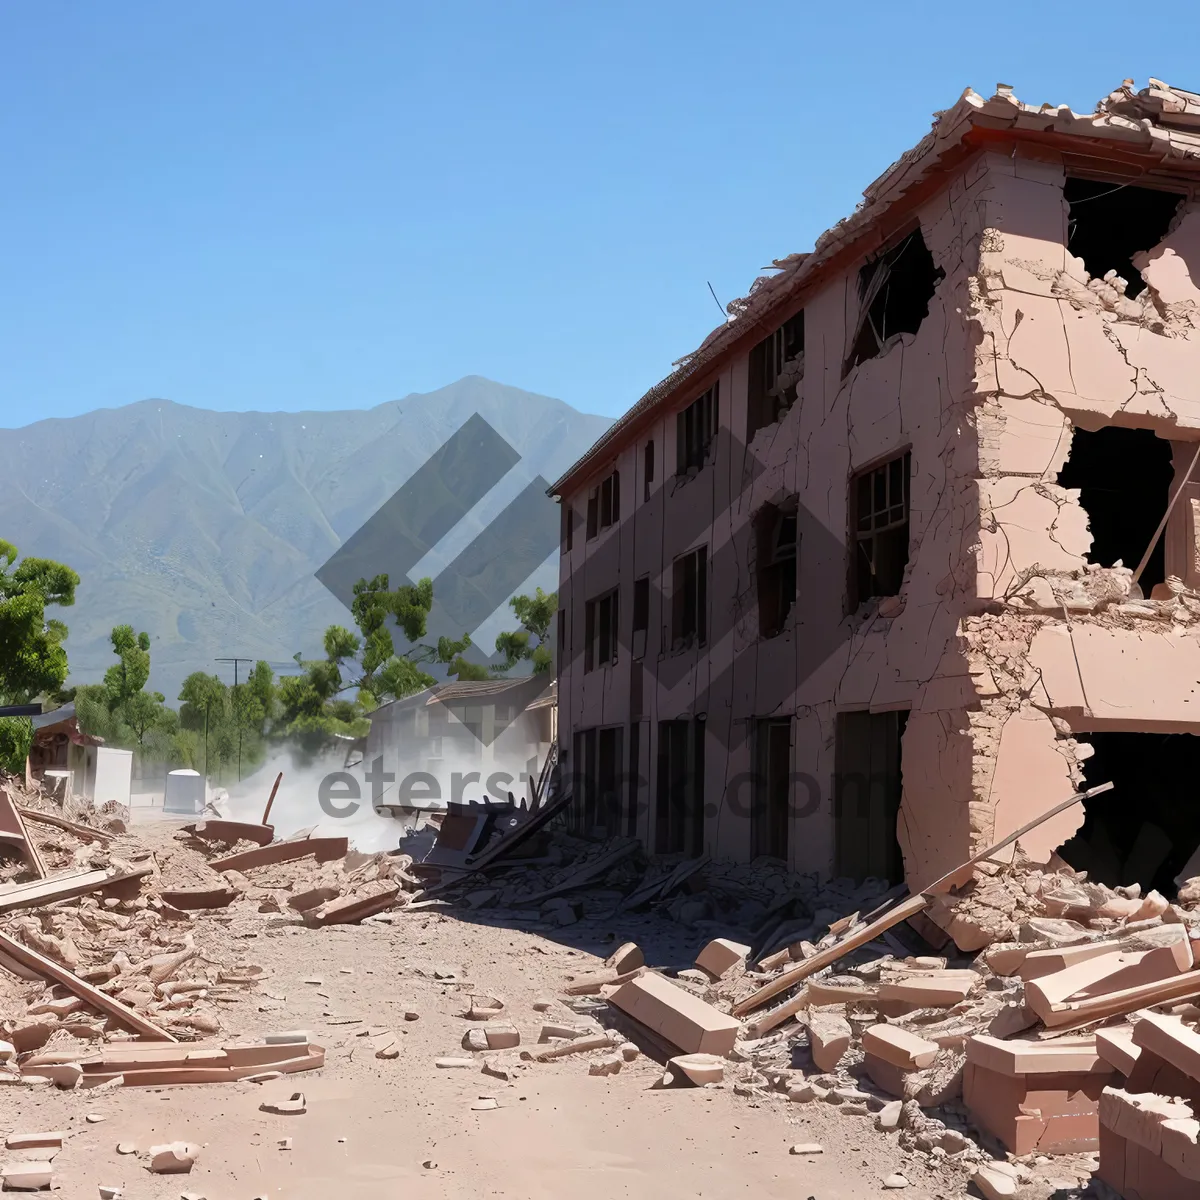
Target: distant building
459,741
62,757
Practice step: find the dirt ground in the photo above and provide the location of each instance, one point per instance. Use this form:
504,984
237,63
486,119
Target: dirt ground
376,1127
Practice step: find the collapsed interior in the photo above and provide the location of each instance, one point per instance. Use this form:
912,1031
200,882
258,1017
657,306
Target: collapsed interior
1124,477
1148,827
1108,223
894,292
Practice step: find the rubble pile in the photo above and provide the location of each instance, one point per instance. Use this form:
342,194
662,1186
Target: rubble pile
992,1029
103,947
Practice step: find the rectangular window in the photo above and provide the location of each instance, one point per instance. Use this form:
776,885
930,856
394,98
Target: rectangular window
689,599
600,631
562,634
776,368
633,783
776,566
604,505
867,789
772,771
695,428
679,802
568,526
879,512
647,470
641,615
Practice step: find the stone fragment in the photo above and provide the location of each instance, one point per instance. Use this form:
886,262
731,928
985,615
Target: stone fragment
806,1148
895,1182
292,1107
28,1176
173,1158
627,957
996,1181
828,1039
610,1064
34,1141
889,1114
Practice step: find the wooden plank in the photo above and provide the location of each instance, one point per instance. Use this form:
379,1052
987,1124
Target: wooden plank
87,832
271,798
12,829
1073,1014
777,1015
48,969
826,958
65,887
323,849
585,875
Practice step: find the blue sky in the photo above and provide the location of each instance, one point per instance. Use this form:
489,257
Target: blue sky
292,204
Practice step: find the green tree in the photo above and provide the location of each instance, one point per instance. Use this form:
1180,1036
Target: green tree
333,695
120,710
535,613
213,715
33,660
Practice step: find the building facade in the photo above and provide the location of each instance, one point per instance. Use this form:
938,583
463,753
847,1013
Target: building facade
854,587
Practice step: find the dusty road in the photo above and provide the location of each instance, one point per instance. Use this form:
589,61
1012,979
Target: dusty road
379,1128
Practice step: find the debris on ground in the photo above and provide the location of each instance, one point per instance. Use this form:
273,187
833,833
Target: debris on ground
1018,1026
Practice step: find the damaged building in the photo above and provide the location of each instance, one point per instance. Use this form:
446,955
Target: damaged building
908,551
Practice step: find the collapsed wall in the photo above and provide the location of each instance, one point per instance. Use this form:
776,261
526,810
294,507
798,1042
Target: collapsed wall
1086,408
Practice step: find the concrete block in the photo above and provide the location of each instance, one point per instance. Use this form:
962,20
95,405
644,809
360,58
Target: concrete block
721,956
828,1038
899,1047
1171,1040
684,1020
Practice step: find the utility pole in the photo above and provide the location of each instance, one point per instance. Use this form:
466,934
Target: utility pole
236,710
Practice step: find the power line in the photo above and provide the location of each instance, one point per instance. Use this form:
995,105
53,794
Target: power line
236,662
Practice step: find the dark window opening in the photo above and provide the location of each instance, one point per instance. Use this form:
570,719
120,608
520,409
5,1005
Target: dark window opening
568,526
775,536
1124,479
604,505
634,780
648,471
894,290
867,790
679,806
695,428
1147,829
1108,223
562,634
598,769
772,780
600,631
879,518
641,615
689,599
776,369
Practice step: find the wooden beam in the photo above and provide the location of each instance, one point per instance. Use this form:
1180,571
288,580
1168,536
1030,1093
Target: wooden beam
87,832
1072,1014
65,887
49,969
323,849
12,830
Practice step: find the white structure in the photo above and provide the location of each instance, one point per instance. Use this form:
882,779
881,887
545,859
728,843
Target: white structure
110,777
184,792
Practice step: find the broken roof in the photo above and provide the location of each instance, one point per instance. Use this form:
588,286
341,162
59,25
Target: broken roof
1152,133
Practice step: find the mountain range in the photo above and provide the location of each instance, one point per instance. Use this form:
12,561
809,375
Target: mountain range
205,529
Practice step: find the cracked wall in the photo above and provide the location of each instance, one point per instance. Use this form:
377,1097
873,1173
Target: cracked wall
896,653
1057,645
